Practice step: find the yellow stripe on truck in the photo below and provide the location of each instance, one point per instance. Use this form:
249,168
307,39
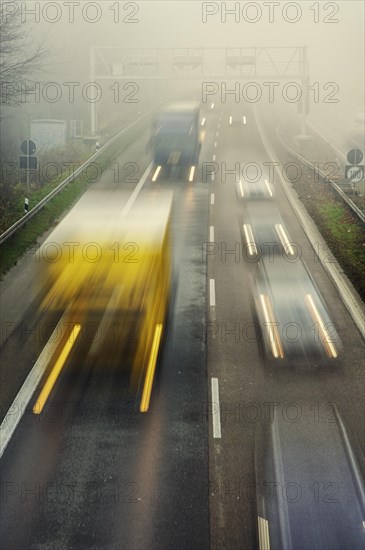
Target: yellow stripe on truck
148,383
51,380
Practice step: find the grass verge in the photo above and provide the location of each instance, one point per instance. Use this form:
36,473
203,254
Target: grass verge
339,226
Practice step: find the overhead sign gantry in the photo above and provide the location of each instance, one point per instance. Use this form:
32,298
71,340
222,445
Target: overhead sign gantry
229,63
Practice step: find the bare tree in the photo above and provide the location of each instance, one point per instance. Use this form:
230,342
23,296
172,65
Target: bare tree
21,58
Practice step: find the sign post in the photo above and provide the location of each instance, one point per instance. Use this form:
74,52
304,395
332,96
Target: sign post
27,161
354,171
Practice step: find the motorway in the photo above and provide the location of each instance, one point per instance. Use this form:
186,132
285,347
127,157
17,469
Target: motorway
248,388
92,473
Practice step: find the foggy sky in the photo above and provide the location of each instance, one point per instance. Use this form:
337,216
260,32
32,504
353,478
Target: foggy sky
335,49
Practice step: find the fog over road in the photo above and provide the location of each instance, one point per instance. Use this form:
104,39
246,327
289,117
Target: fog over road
91,471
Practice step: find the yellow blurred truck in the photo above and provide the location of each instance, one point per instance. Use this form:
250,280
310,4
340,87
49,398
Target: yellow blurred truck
107,269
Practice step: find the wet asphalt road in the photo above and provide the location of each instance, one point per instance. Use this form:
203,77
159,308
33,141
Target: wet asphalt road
93,473
250,388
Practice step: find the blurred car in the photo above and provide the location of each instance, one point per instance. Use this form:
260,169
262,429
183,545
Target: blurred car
249,189
309,483
264,233
267,238
292,318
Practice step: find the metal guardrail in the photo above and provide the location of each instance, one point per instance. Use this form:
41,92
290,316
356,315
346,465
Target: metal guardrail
338,189
23,220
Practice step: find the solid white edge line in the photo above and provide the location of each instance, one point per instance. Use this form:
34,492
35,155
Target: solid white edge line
25,393
137,189
211,234
215,409
212,198
212,292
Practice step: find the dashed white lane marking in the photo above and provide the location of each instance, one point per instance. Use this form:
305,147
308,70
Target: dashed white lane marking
216,134
212,198
212,292
212,177
214,157
215,144
211,234
215,409
244,120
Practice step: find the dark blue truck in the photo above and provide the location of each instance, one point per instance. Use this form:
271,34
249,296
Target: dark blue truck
176,136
